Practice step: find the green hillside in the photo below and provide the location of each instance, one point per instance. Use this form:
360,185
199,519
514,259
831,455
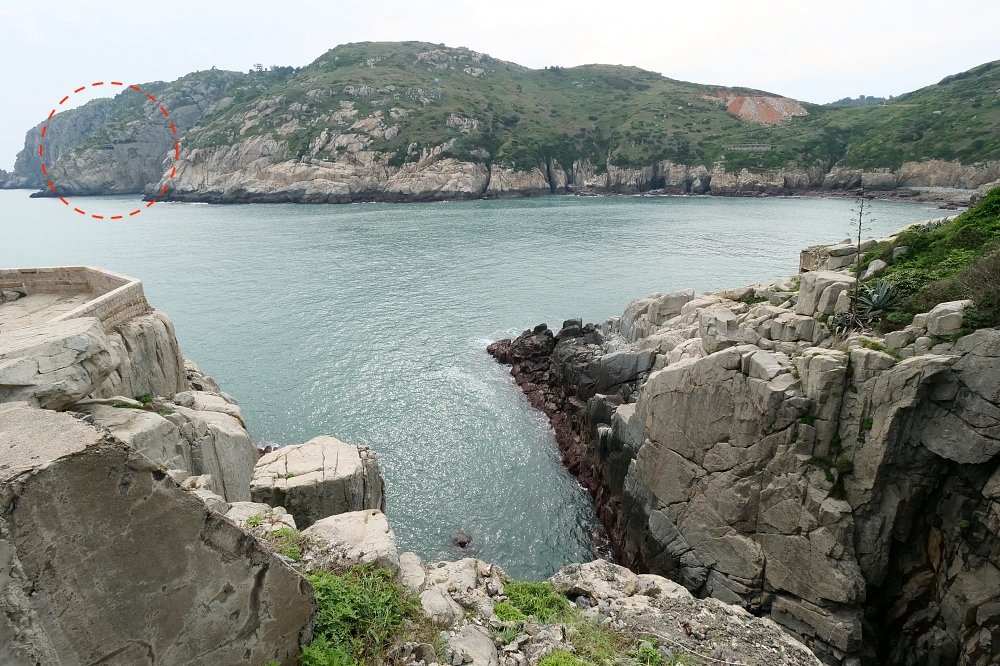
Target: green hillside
956,119
626,115
499,112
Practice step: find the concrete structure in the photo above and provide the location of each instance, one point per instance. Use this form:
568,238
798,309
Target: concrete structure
69,292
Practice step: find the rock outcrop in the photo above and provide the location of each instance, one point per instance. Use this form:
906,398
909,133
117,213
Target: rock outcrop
196,441
104,559
320,478
122,144
462,596
738,448
149,358
63,133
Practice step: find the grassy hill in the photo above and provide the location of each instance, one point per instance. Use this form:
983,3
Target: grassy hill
523,116
956,119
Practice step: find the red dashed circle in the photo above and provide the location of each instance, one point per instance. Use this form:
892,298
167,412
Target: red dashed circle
166,115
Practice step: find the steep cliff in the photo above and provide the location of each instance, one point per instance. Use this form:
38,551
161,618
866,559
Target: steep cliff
117,145
844,486
64,133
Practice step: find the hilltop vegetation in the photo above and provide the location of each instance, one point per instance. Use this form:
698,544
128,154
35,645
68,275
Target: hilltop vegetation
958,260
608,114
956,119
520,117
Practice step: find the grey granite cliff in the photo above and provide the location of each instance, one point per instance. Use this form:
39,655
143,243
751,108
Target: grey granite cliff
844,487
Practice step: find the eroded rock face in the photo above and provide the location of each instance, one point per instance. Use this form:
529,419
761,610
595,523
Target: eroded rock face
320,478
55,364
150,359
835,488
104,559
199,441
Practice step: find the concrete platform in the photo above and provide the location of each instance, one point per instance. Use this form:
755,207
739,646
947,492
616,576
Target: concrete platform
40,308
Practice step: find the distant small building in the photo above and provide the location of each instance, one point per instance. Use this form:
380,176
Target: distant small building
748,147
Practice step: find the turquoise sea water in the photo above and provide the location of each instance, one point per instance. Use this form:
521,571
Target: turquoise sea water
369,322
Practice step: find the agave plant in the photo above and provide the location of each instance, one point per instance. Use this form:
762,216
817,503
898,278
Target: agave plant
843,323
877,299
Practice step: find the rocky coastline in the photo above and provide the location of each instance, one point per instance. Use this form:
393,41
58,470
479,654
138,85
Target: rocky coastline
140,524
843,487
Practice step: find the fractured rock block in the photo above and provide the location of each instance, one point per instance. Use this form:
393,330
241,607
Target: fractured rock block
945,319
320,478
358,537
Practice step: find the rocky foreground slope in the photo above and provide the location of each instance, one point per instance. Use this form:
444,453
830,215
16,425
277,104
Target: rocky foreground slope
844,486
413,121
139,524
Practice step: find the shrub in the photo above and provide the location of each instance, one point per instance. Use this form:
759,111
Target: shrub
648,656
255,521
286,541
902,318
981,282
321,652
537,600
808,419
877,299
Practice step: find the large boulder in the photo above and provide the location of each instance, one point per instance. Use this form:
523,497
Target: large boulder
358,537
146,431
104,559
472,644
320,478
220,446
946,319
819,290
55,364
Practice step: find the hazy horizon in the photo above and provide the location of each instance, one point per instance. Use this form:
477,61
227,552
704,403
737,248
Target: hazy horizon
809,54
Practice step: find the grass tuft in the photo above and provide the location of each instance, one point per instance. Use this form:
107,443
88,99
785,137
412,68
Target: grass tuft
537,600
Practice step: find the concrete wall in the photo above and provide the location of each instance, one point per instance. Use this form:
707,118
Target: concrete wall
117,297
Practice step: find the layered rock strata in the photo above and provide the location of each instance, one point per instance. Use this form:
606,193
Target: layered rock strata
842,487
260,170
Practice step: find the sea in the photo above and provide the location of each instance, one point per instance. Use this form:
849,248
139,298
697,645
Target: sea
370,322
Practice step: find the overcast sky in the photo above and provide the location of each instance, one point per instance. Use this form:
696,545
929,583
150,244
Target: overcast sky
810,50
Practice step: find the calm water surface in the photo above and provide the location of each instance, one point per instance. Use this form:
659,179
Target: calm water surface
369,322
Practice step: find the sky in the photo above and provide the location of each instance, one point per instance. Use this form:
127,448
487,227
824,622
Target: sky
813,51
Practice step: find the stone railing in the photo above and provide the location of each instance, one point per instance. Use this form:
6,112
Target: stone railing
116,298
